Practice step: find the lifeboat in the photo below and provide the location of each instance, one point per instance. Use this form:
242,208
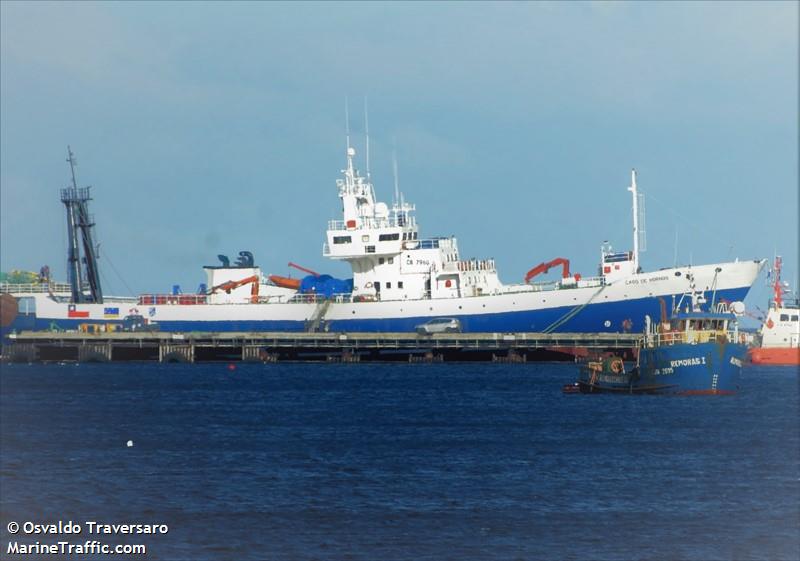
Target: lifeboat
285,282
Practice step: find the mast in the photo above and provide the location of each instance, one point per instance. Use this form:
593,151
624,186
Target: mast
366,128
396,181
777,295
350,172
79,221
73,252
635,197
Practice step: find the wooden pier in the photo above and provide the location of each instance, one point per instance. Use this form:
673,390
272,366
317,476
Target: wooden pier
41,346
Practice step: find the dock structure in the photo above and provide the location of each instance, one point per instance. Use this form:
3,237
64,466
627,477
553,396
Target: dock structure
46,346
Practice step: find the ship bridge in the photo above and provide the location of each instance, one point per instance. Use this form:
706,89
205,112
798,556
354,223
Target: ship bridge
389,259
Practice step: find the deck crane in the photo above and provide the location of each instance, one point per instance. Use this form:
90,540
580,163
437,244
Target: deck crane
231,285
544,267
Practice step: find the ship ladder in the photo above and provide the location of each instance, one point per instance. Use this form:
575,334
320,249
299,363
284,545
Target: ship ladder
318,315
572,313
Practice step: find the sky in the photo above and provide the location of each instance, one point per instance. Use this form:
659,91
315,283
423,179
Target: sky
208,128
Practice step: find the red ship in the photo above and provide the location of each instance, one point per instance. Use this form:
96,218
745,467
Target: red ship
780,332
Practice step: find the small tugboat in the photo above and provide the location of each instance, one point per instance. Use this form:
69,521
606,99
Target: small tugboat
693,352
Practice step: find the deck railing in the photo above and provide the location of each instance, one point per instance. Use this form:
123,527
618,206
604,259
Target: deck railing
34,287
375,223
694,337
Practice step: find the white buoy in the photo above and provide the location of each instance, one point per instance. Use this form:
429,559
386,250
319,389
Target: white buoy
130,444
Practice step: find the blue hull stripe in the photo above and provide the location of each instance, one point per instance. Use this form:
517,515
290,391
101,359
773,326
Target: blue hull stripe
598,317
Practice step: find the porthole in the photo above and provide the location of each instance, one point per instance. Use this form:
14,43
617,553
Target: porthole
677,273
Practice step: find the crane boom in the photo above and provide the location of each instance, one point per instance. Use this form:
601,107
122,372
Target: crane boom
299,268
231,285
546,266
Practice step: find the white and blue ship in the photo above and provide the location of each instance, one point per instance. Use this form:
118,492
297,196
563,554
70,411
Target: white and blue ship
400,279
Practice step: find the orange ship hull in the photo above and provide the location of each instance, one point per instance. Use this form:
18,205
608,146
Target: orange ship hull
775,355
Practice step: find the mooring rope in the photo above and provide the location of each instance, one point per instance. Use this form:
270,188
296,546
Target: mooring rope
572,313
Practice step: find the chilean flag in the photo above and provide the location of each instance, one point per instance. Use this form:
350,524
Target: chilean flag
73,313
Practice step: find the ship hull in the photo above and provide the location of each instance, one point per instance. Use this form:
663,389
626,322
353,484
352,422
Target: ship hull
593,318
686,369
618,307
777,356
703,368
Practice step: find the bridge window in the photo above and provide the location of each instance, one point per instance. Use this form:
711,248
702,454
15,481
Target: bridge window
399,284
369,249
388,285
784,317
390,260
388,237
616,257
380,260
342,239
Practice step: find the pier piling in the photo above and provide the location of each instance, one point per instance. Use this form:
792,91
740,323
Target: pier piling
176,353
30,346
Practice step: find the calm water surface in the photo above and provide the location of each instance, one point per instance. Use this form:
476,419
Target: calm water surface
380,462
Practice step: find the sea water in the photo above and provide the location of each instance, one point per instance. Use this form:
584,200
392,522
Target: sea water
397,461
